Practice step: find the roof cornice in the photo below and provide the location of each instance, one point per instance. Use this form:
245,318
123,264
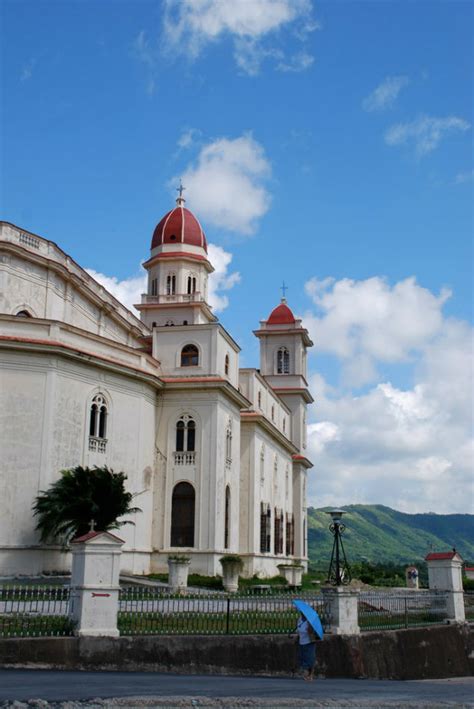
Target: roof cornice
202,383
305,393
15,342
301,331
179,256
302,460
253,417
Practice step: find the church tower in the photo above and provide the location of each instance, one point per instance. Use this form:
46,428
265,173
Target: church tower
196,481
178,270
283,346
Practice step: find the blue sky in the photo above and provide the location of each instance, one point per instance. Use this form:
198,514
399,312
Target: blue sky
326,144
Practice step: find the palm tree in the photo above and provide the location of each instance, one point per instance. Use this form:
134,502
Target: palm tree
79,496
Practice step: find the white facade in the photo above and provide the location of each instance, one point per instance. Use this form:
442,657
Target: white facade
214,454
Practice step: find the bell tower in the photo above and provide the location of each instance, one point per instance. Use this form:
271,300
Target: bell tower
283,346
178,270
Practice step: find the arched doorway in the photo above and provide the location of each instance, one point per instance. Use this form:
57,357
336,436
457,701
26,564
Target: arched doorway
182,515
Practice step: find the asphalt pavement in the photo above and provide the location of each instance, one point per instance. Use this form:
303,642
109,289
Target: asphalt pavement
135,689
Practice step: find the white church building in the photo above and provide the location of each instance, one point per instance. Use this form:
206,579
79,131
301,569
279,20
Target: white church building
214,454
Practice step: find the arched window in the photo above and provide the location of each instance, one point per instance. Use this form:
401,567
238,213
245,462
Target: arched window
192,282
227,518
171,284
186,434
182,515
189,356
283,361
154,286
273,413
284,425
226,365
98,424
228,443
23,314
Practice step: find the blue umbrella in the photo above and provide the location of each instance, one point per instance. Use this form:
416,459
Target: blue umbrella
311,616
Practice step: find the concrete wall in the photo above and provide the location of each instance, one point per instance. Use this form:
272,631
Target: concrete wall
45,404
262,481
420,653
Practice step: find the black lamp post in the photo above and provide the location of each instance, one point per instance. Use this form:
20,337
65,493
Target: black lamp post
339,573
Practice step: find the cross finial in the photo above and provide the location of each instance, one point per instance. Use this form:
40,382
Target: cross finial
92,525
284,288
180,200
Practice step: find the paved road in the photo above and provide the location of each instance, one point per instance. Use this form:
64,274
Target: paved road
212,690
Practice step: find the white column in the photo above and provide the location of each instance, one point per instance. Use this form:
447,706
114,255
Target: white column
445,574
95,583
343,610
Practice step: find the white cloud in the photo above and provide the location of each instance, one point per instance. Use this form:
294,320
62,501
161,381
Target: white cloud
365,322
190,25
27,71
298,62
462,177
145,53
386,93
129,290
424,133
226,184
188,137
221,279
409,447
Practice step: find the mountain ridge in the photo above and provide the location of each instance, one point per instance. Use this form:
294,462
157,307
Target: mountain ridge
378,533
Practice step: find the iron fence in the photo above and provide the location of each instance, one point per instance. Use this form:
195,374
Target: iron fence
469,605
386,611
34,611
151,611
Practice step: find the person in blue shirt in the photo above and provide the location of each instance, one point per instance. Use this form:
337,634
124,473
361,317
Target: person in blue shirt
306,647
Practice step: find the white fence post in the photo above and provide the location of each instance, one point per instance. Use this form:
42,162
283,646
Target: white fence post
95,583
445,574
343,608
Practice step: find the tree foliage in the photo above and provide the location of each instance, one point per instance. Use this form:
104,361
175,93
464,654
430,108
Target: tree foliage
80,495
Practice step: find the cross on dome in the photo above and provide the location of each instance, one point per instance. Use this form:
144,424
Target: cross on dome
283,289
180,200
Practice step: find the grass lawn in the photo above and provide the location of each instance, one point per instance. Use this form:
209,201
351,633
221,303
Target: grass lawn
22,625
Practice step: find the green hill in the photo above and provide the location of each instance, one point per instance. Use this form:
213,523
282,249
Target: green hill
379,534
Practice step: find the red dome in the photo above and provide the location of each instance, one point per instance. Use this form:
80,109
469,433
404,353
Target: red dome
281,315
179,226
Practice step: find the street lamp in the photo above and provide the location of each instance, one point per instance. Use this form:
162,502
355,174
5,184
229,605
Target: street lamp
339,573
